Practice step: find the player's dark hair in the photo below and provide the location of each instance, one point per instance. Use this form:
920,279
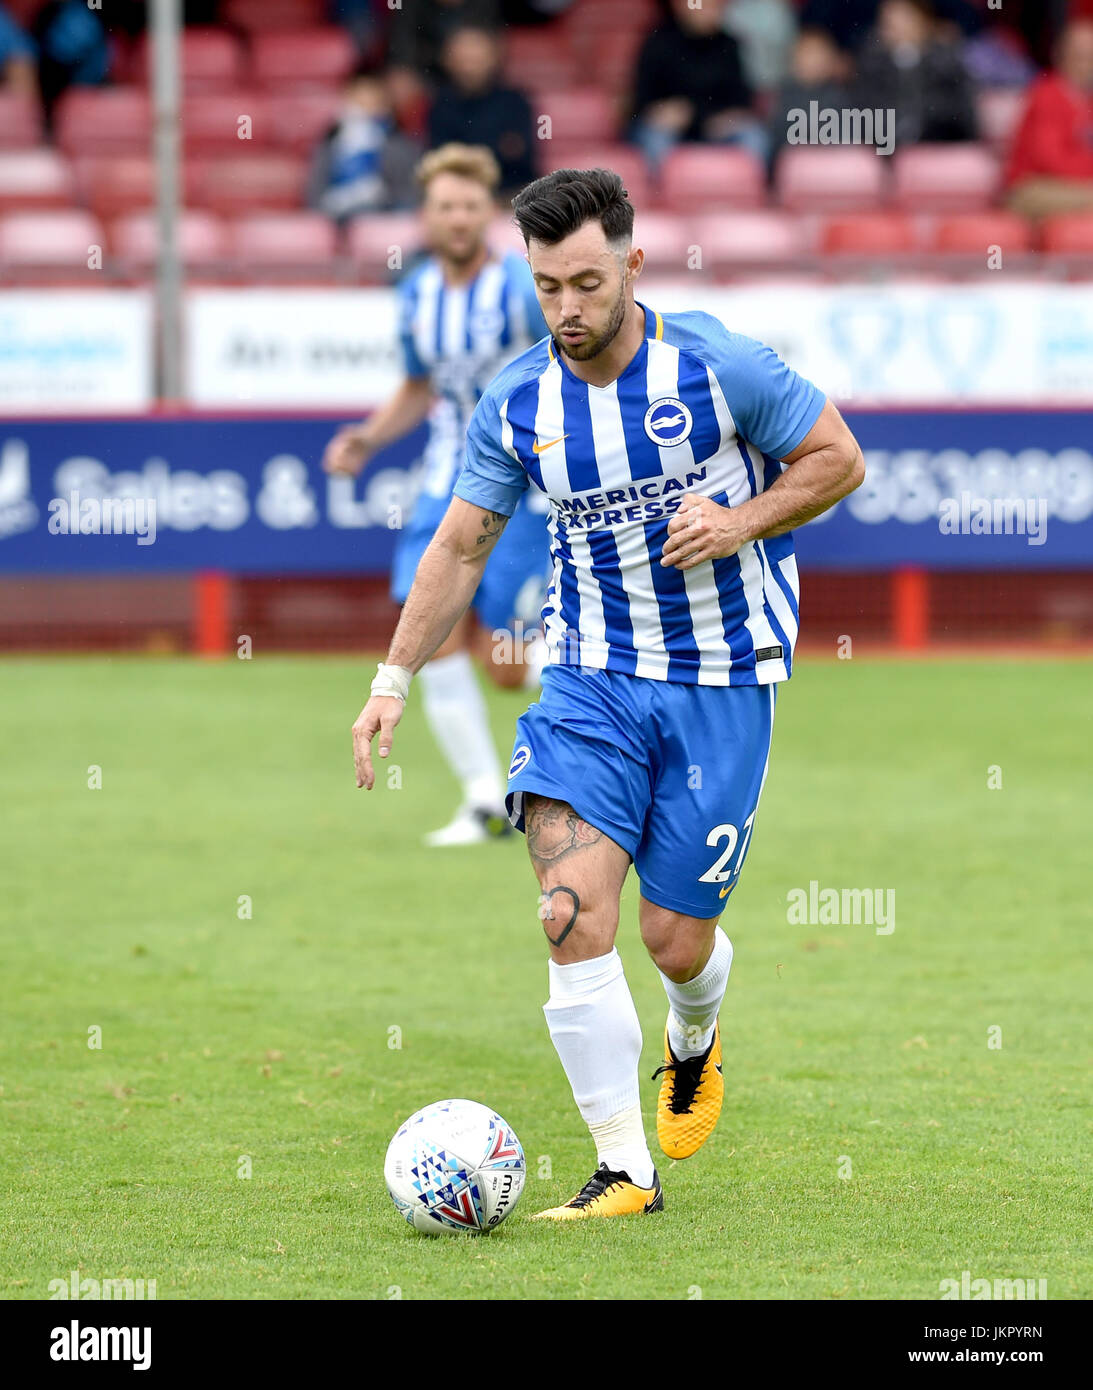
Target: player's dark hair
553,207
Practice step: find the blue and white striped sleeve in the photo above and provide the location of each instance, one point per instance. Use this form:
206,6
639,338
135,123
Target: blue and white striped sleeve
774,408
491,478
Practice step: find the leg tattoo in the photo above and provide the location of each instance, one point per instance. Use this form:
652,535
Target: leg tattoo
553,829
546,912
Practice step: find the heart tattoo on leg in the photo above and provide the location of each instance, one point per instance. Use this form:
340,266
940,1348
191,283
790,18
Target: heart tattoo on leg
546,913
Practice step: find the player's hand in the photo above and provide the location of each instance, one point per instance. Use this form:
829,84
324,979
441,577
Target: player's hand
380,715
702,530
348,451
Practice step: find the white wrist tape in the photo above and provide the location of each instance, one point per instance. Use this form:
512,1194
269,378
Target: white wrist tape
392,680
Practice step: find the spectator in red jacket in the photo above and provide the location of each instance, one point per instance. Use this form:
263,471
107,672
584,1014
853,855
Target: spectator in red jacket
1051,162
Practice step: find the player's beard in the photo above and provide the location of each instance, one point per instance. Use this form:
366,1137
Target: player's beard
461,253
594,344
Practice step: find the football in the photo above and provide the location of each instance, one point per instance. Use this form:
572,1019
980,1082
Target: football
455,1166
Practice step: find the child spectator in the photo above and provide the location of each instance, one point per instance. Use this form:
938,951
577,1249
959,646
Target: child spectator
363,163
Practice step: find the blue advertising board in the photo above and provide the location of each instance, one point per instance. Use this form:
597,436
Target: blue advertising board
944,489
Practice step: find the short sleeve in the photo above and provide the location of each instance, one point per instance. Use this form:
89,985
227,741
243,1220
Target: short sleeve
774,408
407,307
491,478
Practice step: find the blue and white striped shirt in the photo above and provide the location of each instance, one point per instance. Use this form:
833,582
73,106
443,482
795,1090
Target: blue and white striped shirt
698,409
460,338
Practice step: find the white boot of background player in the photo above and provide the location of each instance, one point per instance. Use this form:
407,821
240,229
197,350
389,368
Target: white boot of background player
456,714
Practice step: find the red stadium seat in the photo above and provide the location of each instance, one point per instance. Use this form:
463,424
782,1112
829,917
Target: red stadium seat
604,19
373,240
315,58
730,241
258,16
115,185
20,120
1070,233
695,178
212,124
972,233
617,66
626,161
39,178
540,60
869,234
665,239
299,119
999,110
134,239
241,183
816,178
58,240
945,178
284,240
102,121
576,113
212,61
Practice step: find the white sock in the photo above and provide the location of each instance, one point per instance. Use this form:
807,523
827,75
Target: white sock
693,1006
456,714
594,1027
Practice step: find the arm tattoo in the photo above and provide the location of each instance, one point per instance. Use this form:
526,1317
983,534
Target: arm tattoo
553,829
547,913
493,523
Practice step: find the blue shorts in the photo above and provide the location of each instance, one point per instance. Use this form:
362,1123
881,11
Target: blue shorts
515,579
671,772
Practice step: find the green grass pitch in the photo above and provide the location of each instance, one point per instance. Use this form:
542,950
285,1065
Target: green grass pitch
872,1142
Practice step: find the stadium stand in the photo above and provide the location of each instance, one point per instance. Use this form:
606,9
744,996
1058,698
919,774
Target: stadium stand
262,87
945,178
697,177
212,61
202,238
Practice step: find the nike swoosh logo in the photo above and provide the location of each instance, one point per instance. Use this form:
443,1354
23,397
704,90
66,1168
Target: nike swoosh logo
718,1066
724,893
538,448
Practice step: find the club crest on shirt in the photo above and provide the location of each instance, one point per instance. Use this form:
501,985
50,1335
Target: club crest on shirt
668,422
520,759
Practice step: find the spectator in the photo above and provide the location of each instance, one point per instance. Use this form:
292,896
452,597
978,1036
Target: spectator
850,22
72,50
363,163
473,108
419,30
1051,163
17,55
818,73
905,66
690,85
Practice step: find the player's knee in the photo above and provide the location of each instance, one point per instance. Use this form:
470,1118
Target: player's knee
675,950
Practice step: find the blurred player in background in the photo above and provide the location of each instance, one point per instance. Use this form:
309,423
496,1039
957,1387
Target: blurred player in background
465,312
677,457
